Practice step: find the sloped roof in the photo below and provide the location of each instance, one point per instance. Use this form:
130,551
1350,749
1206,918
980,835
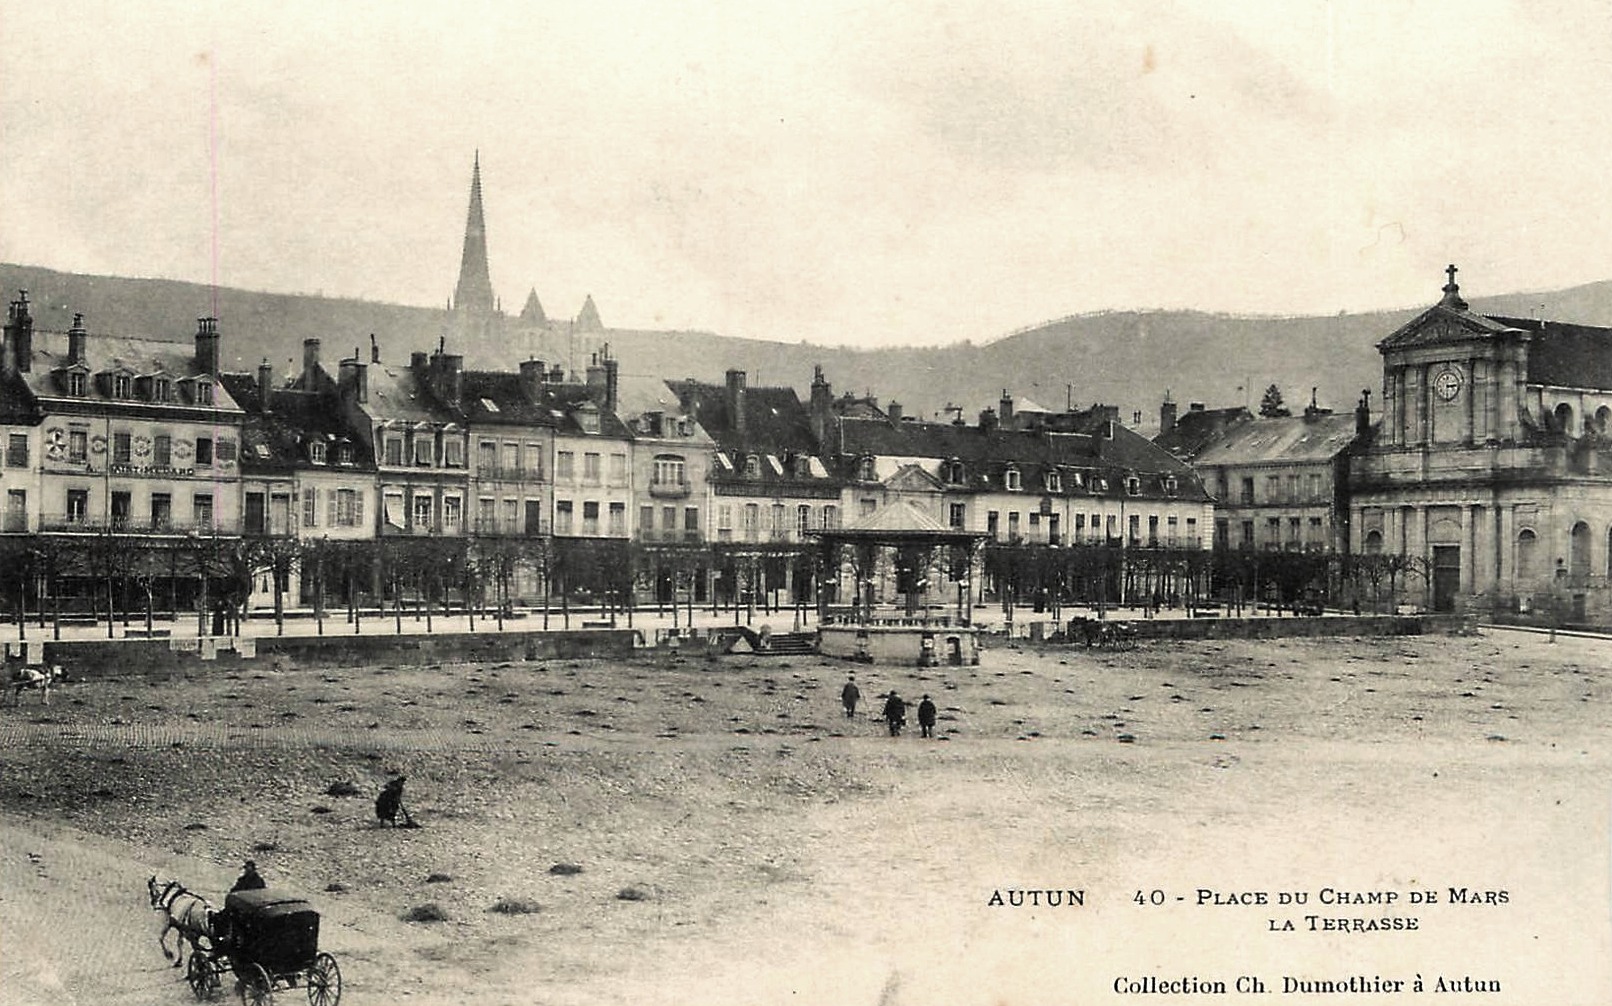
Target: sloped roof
396,393
901,519
105,354
17,404
566,399
294,420
1289,439
499,397
1197,427
775,420
1564,355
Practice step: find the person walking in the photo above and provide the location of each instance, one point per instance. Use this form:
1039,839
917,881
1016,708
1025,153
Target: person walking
926,717
895,713
850,695
249,880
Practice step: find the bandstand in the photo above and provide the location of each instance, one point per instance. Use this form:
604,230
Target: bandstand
903,566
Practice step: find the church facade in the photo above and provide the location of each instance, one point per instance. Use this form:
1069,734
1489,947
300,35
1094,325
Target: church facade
1490,473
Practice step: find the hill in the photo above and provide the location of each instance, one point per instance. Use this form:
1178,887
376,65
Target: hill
1123,358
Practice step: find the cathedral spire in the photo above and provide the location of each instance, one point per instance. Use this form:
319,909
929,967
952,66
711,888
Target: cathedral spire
474,294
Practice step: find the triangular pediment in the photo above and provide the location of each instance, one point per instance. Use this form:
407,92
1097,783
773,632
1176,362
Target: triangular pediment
911,478
1441,325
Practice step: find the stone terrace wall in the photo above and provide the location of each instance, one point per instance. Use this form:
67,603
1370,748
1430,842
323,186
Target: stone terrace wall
1277,628
122,657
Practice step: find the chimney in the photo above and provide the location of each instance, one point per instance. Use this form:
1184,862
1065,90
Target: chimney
417,361
822,405
1196,407
265,383
1007,409
354,380
453,378
20,336
75,340
556,374
735,389
612,380
207,345
532,374
988,420
1167,415
894,411
374,349
1363,414
310,364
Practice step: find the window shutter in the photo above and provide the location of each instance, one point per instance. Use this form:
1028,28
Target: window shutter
333,509
358,508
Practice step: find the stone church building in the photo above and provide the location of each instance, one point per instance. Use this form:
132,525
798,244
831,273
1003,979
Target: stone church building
1491,469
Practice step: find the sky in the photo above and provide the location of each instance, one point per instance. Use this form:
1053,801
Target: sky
883,173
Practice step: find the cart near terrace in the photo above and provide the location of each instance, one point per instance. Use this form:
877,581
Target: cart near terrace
269,939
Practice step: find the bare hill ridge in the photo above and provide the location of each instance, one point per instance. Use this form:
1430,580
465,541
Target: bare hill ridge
1127,358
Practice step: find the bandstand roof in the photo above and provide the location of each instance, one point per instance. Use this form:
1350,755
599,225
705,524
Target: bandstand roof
901,522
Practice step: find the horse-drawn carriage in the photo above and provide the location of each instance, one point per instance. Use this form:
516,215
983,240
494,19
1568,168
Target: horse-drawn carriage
270,941
1099,633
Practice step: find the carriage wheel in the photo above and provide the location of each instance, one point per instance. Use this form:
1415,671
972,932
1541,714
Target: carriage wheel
202,976
257,988
324,982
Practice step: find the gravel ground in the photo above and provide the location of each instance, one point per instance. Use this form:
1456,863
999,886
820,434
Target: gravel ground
740,841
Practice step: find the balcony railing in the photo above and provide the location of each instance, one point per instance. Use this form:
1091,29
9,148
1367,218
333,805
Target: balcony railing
669,490
71,523
495,473
671,537
507,527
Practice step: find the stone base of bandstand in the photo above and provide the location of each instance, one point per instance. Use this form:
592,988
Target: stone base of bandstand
910,645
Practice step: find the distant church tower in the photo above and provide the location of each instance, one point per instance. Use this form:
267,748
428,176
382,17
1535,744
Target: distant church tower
474,294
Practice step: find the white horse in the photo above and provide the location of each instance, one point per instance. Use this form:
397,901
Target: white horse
24,678
189,914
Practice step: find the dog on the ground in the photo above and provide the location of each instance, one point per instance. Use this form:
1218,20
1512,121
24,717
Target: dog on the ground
41,678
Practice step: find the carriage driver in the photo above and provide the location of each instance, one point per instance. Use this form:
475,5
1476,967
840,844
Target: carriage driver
249,880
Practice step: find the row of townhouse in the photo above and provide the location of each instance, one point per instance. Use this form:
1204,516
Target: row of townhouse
728,484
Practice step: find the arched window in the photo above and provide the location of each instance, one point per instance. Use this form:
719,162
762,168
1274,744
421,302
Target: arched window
1563,419
1374,542
1013,480
1603,420
1527,561
1054,482
954,472
1578,551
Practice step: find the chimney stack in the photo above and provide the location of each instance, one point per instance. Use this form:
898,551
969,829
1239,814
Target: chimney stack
310,364
532,374
265,383
354,380
417,361
207,345
1167,415
556,374
1007,409
1363,414
76,337
894,411
735,390
453,378
822,406
612,380
374,349
988,420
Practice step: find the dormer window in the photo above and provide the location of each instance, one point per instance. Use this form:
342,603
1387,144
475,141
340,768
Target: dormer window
752,466
803,466
1169,486
161,389
952,471
1054,482
120,385
1013,480
344,454
316,453
867,471
75,383
204,392
1133,486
